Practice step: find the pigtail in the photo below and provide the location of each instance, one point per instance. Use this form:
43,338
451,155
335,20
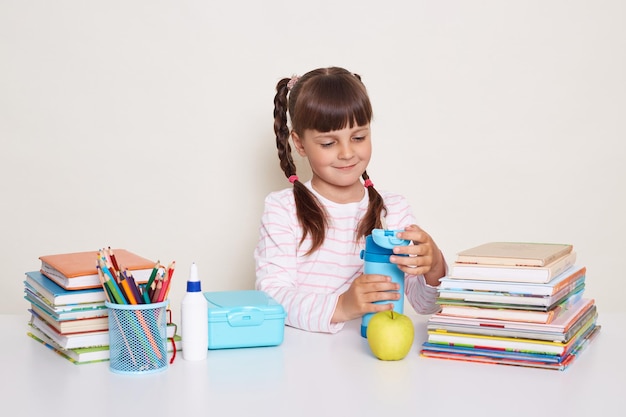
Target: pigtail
282,130
311,215
375,209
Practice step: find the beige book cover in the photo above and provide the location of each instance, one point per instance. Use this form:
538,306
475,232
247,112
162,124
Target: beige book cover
513,273
514,253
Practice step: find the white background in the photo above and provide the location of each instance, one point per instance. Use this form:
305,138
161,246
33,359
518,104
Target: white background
147,125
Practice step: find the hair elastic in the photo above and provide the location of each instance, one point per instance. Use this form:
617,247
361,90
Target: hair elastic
294,79
293,178
368,183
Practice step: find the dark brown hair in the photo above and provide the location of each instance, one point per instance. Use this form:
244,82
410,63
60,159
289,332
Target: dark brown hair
324,99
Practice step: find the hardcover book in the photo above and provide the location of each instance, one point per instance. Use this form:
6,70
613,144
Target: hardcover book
494,312
525,274
514,253
77,270
566,316
530,316
530,300
561,329
503,357
92,354
80,340
572,276
73,340
81,311
58,295
508,343
91,324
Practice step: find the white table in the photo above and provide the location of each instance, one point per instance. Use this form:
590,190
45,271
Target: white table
313,375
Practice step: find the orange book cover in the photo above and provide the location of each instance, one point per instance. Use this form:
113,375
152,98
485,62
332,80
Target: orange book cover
77,270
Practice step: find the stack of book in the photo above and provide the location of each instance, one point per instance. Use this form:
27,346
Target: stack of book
513,303
66,298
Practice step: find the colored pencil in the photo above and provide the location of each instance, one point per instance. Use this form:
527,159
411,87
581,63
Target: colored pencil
153,275
115,290
157,290
127,291
166,282
113,260
107,295
133,285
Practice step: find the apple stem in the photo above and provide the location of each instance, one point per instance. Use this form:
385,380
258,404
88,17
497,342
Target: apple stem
392,314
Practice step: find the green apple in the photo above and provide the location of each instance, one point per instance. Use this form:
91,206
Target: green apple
390,335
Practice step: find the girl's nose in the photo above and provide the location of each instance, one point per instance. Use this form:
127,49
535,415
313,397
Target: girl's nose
346,152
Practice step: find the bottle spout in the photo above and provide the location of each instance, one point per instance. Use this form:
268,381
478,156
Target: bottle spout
193,283
193,272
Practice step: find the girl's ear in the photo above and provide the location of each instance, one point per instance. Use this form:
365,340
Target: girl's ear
297,143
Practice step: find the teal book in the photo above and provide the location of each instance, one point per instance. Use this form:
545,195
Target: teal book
57,295
66,312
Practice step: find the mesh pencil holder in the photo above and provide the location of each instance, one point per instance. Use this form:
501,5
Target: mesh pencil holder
137,338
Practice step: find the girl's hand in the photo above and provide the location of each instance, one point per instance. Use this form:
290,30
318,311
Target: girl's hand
424,258
363,291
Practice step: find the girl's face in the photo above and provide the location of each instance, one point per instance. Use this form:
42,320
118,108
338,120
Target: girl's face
338,159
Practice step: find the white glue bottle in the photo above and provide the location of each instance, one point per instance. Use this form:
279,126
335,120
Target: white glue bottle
194,319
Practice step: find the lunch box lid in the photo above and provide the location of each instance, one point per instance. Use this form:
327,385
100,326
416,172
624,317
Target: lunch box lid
243,307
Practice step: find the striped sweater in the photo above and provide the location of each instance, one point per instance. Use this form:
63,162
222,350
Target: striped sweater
309,286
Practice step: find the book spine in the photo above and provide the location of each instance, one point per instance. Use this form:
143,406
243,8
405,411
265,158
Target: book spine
500,314
486,260
572,280
561,266
538,290
497,343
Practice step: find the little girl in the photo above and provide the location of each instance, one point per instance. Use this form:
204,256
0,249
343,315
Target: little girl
311,234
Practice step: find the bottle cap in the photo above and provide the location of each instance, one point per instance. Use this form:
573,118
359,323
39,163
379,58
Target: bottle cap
387,238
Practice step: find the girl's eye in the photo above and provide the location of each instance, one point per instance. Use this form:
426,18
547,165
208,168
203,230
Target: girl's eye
358,138
326,145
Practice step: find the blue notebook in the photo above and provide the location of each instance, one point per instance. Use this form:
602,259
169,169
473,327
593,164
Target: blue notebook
57,295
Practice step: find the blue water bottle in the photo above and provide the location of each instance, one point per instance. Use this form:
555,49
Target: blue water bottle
378,248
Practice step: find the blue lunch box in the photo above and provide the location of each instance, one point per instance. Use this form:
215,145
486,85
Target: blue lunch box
245,318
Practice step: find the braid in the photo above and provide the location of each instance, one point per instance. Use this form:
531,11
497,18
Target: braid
311,216
375,208
310,213
282,130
